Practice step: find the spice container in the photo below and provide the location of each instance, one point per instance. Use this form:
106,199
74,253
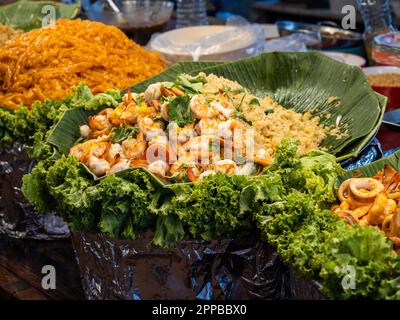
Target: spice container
386,49
377,20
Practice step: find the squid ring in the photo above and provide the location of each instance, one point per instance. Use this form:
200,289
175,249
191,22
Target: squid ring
386,224
365,188
345,194
344,189
347,215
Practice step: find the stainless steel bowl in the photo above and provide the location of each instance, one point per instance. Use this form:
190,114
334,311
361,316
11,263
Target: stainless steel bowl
332,37
138,19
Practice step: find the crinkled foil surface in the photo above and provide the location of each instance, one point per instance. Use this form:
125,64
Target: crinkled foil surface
203,270
18,219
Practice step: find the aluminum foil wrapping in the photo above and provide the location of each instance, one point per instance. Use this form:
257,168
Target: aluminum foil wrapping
371,152
204,270
17,217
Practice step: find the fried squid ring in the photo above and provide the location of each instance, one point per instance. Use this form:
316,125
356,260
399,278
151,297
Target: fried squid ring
376,213
343,192
386,224
361,211
347,215
395,224
365,188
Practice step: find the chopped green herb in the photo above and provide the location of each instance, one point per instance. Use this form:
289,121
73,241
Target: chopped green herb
168,84
240,116
238,108
123,133
234,91
254,101
199,79
191,86
179,110
159,119
269,111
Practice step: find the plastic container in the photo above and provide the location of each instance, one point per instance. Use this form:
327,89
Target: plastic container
236,40
191,13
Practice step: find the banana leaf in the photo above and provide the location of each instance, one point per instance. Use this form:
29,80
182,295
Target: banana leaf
301,81
371,169
66,132
27,15
304,81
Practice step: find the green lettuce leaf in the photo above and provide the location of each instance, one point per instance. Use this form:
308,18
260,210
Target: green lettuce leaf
33,126
179,110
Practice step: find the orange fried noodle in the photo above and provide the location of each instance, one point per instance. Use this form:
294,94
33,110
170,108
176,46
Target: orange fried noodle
45,63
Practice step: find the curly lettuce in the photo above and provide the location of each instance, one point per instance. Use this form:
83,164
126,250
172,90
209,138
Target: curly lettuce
32,126
286,205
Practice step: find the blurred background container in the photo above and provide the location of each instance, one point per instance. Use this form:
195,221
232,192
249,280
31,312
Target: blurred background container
139,19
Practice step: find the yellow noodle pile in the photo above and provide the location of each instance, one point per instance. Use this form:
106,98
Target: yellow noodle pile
45,63
7,33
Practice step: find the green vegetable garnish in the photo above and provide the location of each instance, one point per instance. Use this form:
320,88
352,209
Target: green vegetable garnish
254,101
190,86
123,133
34,126
269,111
240,115
179,110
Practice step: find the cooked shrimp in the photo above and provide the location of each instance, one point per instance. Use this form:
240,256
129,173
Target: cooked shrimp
390,207
98,166
150,128
98,148
181,166
225,166
159,168
207,126
181,135
226,128
348,215
162,139
84,131
98,122
77,151
115,151
226,112
106,112
139,163
153,92
395,224
134,147
164,111
159,151
130,114
115,117
263,158
246,169
200,108
121,165
132,97
205,148
83,151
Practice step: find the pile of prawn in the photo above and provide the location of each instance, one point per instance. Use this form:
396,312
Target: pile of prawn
373,202
188,152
